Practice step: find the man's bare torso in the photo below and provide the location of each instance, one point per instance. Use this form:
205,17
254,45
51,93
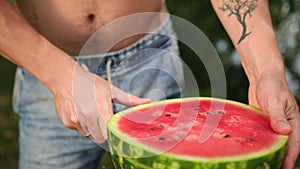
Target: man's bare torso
69,23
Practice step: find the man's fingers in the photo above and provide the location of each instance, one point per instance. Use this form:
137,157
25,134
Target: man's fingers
98,128
124,98
83,132
290,157
293,146
279,121
136,100
74,124
96,120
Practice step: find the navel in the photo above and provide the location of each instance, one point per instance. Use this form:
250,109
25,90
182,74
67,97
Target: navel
91,17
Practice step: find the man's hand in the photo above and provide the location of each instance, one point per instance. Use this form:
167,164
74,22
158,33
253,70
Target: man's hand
272,95
85,104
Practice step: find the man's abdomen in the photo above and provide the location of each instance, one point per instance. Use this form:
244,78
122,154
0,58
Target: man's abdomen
68,24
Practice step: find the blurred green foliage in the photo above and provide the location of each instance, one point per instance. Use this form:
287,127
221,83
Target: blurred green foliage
8,119
197,12
202,15
12,2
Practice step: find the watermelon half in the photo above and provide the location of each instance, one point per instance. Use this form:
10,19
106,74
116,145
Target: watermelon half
194,133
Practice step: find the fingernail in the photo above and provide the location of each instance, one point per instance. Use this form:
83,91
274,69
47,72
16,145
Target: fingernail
284,124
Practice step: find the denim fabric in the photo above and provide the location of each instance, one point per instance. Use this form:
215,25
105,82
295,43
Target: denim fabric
148,68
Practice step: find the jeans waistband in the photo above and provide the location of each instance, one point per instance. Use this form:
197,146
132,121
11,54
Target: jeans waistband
152,40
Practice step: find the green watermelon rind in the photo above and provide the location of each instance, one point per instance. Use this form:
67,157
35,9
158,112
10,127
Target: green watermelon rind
273,160
130,164
121,162
130,148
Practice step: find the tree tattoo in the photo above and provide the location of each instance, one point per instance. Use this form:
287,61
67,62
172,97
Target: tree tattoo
241,9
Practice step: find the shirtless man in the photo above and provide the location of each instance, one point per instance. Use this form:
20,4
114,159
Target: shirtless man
41,37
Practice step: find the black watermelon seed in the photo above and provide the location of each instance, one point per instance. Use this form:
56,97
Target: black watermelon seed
151,128
237,118
208,113
220,112
168,115
226,136
161,138
161,126
252,139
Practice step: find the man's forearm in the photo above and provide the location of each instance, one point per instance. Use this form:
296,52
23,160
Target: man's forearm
21,44
249,26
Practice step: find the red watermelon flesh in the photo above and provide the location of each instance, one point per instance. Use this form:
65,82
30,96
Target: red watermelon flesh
176,128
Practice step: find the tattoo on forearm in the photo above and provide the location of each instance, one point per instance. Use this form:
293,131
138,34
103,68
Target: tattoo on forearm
241,9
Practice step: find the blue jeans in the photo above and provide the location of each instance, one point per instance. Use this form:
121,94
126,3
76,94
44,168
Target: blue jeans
147,68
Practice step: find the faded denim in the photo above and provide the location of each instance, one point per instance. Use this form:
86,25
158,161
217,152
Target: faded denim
148,68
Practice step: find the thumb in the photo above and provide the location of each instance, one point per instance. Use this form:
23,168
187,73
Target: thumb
278,120
98,129
127,99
